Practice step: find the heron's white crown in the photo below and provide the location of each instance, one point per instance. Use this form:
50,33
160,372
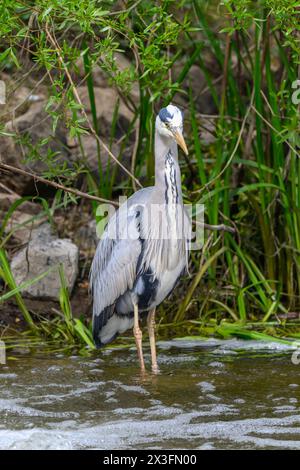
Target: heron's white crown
169,118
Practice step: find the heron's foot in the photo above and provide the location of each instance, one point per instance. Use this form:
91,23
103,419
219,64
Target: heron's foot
155,369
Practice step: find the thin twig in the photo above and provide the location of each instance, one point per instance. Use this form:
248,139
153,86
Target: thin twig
12,193
36,178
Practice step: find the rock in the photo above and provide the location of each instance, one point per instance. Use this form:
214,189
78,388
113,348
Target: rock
101,79
35,125
18,98
23,234
23,220
43,252
89,144
43,234
7,199
106,100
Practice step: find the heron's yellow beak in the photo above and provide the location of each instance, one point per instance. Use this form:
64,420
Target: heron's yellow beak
180,141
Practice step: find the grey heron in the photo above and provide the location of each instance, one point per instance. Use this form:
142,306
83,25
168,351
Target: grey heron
138,262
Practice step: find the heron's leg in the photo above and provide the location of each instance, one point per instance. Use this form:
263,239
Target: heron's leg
138,337
151,329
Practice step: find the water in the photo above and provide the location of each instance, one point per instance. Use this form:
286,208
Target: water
209,395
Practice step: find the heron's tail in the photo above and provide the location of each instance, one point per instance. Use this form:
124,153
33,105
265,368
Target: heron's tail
99,322
108,325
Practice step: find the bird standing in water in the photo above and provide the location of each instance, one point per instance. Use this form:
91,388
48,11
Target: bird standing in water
144,248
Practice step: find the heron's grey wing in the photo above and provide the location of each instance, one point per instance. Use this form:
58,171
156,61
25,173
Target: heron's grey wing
117,276
113,270
111,242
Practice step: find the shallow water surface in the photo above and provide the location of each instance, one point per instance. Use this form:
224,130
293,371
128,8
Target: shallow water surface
209,395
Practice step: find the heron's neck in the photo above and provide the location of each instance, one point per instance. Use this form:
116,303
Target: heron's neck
167,171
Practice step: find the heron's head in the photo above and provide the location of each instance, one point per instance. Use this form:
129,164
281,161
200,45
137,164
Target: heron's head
169,123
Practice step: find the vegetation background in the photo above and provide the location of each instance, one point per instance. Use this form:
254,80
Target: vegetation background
233,67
